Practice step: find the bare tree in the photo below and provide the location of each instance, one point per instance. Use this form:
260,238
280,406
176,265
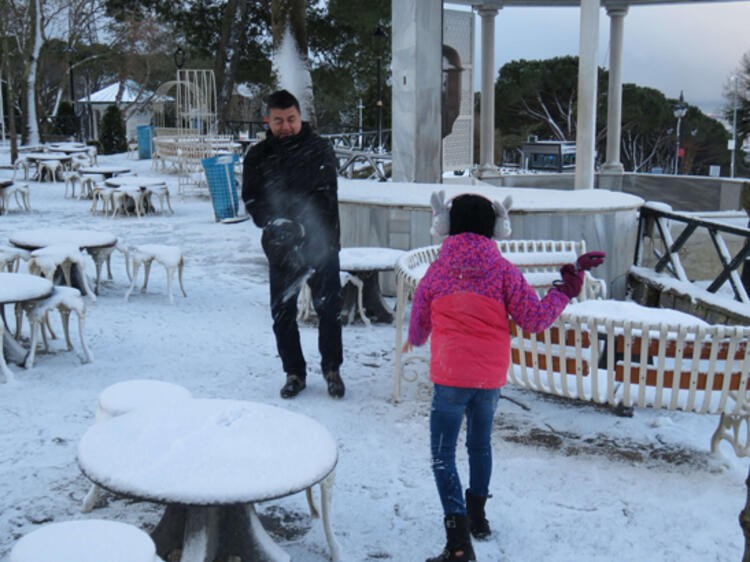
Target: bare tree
233,38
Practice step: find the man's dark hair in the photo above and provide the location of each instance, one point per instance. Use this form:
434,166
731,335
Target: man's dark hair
472,213
281,99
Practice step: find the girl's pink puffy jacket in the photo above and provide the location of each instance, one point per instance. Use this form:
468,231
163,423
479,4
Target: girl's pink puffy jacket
464,300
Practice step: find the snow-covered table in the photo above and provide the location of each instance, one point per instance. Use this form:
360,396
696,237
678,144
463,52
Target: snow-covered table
366,263
210,461
17,288
99,245
106,171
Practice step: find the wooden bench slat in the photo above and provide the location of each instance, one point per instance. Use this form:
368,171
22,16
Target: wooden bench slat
670,349
570,362
684,378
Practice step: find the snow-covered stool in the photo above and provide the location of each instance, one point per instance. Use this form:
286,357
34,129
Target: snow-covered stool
48,168
24,165
65,300
123,397
169,256
365,264
162,194
88,540
88,184
71,178
21,195
103,194
10,258
46,261
352,288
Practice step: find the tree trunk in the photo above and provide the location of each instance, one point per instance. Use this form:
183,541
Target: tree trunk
32,123
745,521
290,62
233,37
10,99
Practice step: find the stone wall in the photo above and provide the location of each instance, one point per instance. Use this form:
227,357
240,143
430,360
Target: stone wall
648,292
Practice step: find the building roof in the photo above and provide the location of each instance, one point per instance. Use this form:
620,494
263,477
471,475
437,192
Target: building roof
108,94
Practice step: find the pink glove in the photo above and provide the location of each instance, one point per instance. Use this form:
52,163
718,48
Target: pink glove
572,281
590,260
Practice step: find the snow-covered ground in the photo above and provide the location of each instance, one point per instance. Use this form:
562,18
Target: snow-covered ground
571,481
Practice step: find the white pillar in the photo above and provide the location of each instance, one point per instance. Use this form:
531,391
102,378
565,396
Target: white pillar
614,99
487,107
587,78
416,69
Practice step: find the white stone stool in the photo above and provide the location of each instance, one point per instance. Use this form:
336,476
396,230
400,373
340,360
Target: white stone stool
46,261
89,540
169,256
65,300
21,193
123,397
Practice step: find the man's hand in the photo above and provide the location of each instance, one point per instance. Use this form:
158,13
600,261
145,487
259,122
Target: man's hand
407,347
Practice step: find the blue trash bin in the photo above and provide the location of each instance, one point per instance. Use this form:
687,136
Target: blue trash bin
145,141
222,185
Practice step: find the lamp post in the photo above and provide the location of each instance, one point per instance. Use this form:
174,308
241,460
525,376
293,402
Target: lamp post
379,34
71,51
179,57
734,125
680,110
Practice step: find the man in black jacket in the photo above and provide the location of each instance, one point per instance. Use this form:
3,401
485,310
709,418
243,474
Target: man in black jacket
289,187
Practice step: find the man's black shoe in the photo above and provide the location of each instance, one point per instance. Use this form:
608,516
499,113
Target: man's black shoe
294,385
336,387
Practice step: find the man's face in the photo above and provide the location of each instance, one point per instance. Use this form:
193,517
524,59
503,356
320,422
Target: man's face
284,122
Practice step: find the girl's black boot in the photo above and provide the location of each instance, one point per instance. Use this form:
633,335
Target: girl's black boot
478,524
458,541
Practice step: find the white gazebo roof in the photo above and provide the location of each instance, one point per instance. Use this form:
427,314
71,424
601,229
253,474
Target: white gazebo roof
132,93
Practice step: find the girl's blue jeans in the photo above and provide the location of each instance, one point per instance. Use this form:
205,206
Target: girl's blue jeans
449,406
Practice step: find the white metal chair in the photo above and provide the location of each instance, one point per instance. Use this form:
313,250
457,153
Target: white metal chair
169,256
46,261
65,300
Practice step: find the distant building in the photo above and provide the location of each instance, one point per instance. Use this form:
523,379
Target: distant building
132,104
549,156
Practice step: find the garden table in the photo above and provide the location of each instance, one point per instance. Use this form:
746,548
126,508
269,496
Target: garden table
209,461
17,288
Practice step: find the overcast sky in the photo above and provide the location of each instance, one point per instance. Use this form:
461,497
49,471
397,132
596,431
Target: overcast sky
693,46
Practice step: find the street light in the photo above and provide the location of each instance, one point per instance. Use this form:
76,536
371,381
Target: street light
179,57
680,110
734,124
379,34
71,52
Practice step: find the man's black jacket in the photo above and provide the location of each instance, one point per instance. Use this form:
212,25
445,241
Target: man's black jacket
295,178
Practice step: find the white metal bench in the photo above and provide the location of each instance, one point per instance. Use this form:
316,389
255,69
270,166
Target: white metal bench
539,260
694,368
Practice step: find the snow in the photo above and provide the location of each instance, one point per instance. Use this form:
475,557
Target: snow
368,259
528,199
571,481
17,288
86,541
623,311
202,451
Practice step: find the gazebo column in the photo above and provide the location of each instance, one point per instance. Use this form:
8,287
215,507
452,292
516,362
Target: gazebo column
587,78
416,35
487,107
612,171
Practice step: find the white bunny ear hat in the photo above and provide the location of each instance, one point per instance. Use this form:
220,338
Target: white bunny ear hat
502,222
441,215
441,219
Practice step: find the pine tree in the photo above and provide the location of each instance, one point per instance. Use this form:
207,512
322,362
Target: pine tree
112,135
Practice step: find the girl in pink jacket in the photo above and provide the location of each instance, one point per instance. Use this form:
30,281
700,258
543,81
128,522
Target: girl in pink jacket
464,301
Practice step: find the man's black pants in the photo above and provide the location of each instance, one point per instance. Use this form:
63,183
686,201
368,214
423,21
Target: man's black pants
325,286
